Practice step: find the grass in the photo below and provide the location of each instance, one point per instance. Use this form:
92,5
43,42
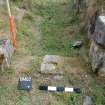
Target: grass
57,23
55,27
97,94
49,27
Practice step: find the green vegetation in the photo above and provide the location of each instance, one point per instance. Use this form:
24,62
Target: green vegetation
58,22
49,27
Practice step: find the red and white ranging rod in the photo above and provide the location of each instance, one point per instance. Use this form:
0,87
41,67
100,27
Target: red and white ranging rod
11,22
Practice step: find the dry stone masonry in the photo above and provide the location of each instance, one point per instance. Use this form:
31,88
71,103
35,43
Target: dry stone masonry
97,49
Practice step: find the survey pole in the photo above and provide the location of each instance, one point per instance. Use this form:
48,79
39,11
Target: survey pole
11,22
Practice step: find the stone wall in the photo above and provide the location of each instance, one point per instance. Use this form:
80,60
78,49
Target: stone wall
97,49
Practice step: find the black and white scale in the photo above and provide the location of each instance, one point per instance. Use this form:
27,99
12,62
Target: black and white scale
59,89
25,83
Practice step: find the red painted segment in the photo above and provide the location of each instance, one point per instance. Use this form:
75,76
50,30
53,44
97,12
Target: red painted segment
12,31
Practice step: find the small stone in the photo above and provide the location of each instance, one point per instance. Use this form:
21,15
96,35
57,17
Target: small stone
87,101
77,44
86,76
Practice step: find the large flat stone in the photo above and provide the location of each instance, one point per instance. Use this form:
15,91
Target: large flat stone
52,64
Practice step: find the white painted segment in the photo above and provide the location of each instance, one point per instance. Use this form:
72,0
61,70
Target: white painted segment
8,6
51,88
102,18
69,90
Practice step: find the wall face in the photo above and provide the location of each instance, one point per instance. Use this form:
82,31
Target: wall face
97,37
97,49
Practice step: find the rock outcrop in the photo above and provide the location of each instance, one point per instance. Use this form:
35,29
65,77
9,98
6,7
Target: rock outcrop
97,49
